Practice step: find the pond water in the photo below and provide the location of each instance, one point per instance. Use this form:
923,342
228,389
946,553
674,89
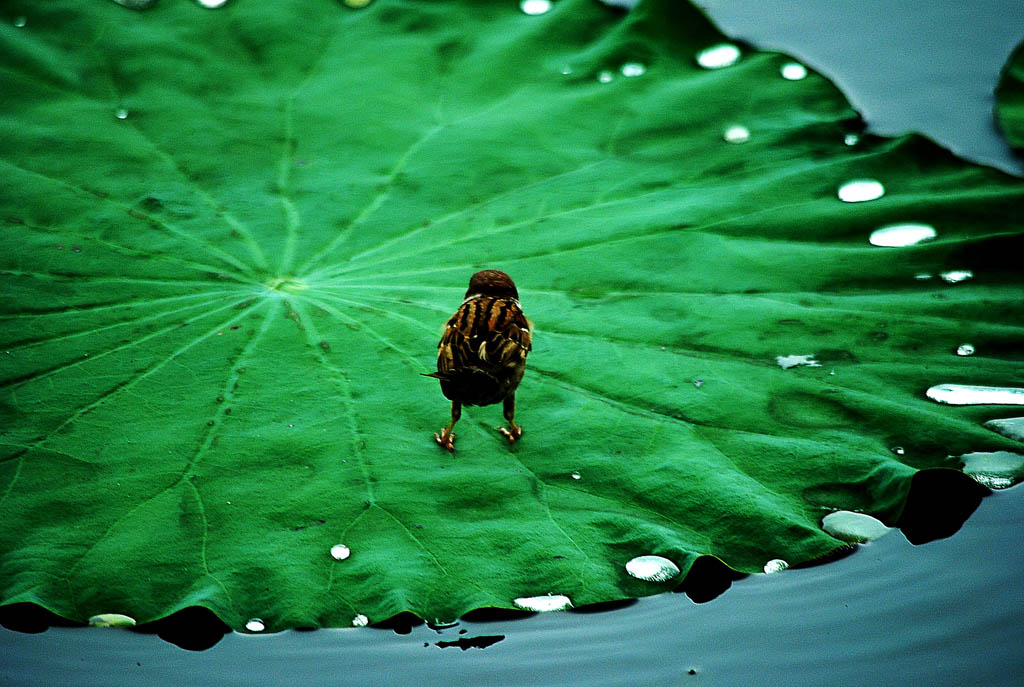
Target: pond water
950,612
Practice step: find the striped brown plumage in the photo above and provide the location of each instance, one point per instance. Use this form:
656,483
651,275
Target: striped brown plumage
482,354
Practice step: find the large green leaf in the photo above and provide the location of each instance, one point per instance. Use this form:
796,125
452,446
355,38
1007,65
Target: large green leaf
1010,95
232,236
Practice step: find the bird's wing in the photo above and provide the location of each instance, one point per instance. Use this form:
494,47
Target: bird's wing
485,333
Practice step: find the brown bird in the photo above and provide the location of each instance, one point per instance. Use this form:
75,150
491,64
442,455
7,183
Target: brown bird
482,354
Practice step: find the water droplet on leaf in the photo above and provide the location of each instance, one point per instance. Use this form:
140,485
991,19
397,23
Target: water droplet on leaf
995,470
575,475
357,4
1012,427
212,4
956,276
967,395
861,190
898,450
121,113
853,527
360,621
851,139
20,22
775,565
340,552
605,76
633,69
793,71
543,604
566,70
897,235
535,7
788,361
652,568
255,625
736,134
718,56
922,276
965,349
112,620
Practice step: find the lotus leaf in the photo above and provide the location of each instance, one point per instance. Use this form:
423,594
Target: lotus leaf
231,237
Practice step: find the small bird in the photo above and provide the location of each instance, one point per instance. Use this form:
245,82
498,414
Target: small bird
482,354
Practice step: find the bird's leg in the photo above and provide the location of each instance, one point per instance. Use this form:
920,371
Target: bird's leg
509,406
446,439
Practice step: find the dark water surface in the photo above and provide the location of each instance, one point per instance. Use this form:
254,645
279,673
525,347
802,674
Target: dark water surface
950,612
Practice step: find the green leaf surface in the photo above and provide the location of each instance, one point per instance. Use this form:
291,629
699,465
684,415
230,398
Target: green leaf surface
231,237
1010,99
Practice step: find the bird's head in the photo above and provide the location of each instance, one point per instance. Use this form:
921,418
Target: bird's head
493,283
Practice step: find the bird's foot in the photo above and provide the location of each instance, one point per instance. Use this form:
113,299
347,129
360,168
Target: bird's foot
445,441
511,434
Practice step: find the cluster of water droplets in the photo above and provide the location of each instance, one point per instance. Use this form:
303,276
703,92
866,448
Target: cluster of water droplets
630,70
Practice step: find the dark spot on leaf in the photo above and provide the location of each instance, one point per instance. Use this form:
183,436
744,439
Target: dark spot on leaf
801,409
152,203
227,411
325,346
315,523
836,355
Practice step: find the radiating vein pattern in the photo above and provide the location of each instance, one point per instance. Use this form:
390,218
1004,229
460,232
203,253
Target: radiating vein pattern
228,258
